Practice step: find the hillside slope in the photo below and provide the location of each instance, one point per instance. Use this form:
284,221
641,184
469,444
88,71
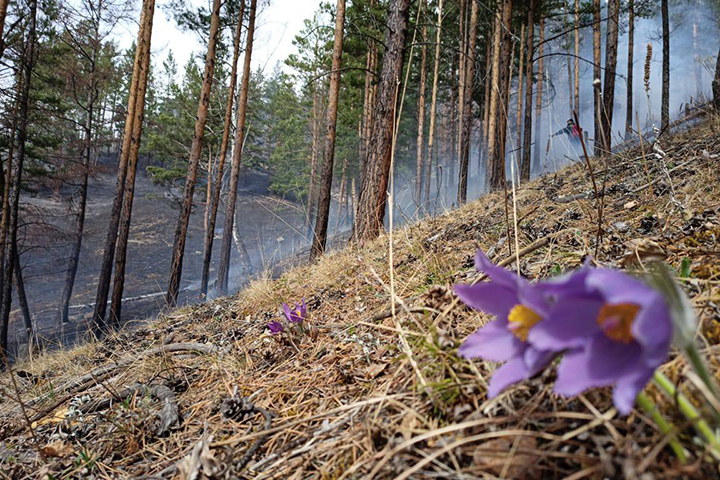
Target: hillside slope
372,395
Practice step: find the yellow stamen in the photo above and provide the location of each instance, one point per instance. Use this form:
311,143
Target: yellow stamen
616,321
521,320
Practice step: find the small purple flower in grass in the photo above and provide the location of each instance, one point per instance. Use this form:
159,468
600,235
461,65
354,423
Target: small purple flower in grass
518,307
275,327
297,314
616,331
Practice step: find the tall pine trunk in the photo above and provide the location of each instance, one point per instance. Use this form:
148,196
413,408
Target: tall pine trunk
538,97
224,267
433,105
518,113
100,322
195,152
372,200
3,14
341,198
87,159
506,63
28,61
495,171
665,107
629,80
469,75
597,86
611,46
716,84
129,194
22,298
7,179
420,142
576,65
527,134
482,155
325,191
227,126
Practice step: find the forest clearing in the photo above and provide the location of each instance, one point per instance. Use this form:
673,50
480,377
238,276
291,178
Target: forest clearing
434,239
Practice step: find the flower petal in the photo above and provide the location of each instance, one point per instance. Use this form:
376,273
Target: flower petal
573,376
488,297
618,287
628,387
610,360
510,373
492,342
569,324
536,359
286,311
653,330
497,274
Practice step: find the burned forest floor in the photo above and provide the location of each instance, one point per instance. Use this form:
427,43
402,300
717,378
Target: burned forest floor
206,392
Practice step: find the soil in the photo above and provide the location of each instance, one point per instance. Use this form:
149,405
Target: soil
270,227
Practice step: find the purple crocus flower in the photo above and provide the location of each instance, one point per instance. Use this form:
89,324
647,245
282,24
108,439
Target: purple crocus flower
297,314
616,331
518,307
275,327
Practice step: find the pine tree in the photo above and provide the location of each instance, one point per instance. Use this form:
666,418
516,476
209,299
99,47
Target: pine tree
324,197
376,171
224,270
195,152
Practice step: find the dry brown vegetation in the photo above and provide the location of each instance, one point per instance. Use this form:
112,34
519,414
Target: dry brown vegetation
383,396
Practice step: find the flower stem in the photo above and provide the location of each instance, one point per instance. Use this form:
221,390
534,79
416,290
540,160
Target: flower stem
665,427
689,411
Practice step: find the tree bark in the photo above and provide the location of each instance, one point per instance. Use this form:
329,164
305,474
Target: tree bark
462,60
433,104
420,143
371,204
3,14
227,126
495,171
195,152
7,180
597,86
129,192
538,96
452,144
527,134
28,60
716,84
519,110
665,107
341,197
505,67
22,298
87,159
469,75
611,46
482,154
325,191
224,267
576,66
100,322
629,81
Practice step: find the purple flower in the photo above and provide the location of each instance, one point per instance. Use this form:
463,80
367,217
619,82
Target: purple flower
275,327
518,307
297,314
616,331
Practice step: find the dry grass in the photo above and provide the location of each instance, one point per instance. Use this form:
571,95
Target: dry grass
349,404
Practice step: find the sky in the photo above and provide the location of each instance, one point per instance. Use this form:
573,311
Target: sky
277,24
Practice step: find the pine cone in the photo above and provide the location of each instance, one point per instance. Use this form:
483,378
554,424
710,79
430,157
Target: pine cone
237,408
